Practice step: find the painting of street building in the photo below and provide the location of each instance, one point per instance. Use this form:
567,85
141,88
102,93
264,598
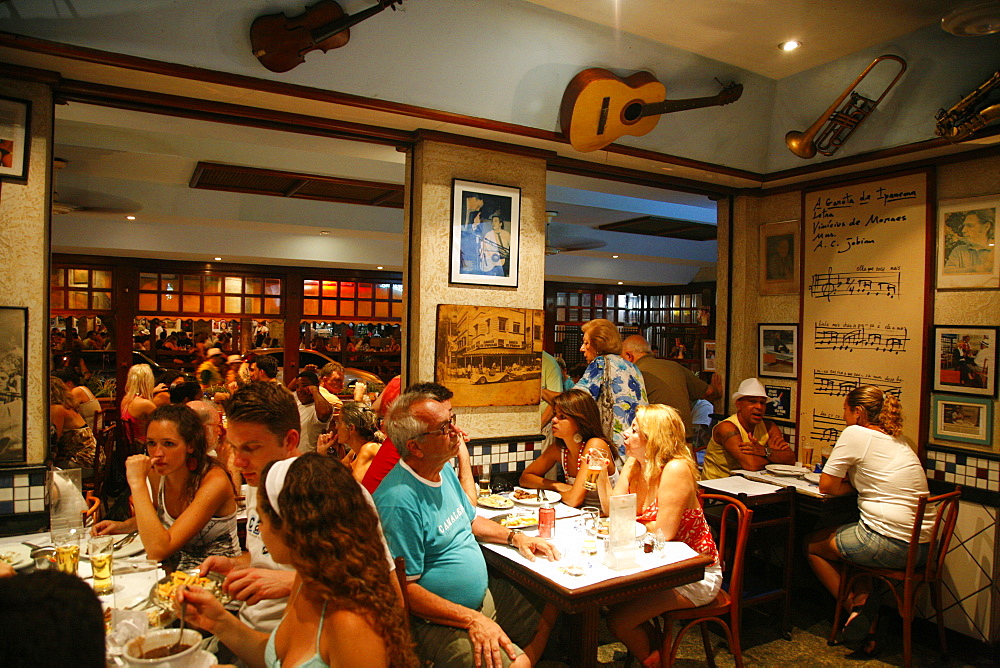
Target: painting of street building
489,355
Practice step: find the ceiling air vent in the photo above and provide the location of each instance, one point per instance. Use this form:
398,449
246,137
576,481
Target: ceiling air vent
256,181
656,226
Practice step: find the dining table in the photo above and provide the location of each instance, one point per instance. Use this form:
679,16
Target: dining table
579,584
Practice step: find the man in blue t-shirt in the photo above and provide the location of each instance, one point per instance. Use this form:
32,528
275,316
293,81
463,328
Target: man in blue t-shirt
429,520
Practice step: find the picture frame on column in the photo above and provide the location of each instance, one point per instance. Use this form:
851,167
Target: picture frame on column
485,234
15,139
13,384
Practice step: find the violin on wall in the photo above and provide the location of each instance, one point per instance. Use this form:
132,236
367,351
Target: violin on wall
280,43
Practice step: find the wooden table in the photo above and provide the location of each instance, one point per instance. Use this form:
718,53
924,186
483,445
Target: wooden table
584,602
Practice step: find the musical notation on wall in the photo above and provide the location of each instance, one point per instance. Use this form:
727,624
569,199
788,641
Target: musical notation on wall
825,428
854,283
861,337
837,384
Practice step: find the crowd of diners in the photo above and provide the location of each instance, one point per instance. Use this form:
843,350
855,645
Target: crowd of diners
338,489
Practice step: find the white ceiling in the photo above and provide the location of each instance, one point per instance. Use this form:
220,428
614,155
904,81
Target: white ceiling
746,33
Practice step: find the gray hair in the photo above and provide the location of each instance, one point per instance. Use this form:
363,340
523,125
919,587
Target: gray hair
400,424
637,344
363,419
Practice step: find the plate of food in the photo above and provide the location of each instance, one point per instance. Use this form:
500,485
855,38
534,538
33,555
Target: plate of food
18,556
529,497
162,593
787,470
517,520
495,501
812,477
604,526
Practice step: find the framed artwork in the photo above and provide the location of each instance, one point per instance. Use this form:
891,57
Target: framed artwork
13,410
708,355
489,355
779,258
485,234
780,402
966,257
15,136
778,347
965,360
962,419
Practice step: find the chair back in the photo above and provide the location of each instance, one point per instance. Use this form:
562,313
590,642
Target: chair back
945,510
401,578
106,439
734,529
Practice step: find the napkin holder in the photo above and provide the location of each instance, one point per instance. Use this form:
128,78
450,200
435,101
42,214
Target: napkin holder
65,498
622,550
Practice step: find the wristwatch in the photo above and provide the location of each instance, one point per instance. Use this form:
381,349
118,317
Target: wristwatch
510,536
767,452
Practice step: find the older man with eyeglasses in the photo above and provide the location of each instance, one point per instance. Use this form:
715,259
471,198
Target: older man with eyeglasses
460,615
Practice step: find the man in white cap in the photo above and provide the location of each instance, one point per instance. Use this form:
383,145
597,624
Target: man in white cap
746,440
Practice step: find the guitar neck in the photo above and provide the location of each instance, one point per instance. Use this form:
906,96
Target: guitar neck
668,106
330,29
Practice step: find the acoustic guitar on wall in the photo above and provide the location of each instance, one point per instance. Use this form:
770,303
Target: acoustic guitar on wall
599,106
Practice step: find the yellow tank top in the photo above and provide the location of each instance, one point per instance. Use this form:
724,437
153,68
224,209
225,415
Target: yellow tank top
718,462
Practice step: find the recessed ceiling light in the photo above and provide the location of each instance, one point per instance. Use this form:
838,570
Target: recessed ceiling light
218,259
380,267
790,45
620,283
324,233
129,217
614,257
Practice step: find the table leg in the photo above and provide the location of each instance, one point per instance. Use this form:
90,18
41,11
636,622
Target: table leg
584,652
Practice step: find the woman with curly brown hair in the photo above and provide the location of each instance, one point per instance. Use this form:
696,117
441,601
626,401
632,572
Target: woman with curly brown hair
191,512
872,458
343,610
576,430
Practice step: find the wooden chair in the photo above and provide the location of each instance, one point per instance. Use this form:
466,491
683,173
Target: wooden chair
92,513
106,440
727,602
910,579
401,578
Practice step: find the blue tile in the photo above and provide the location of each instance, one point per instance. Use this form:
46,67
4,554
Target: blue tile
487,449
36,478
949,467
6,481
6,507
512,447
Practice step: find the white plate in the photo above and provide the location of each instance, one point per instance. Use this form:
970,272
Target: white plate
202,659
21,555
812,477
495,502
787,470
132,549
550,497
640,529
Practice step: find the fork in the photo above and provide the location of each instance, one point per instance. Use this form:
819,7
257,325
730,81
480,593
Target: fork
117,545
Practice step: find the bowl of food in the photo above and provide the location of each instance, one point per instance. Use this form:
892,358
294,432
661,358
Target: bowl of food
517,520
163,593
162,650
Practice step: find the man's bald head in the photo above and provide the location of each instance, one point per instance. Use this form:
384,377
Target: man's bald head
635,347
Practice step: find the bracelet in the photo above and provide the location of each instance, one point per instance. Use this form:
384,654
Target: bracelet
767,453
510,537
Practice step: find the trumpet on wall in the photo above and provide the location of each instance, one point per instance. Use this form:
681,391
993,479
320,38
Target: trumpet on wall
834,127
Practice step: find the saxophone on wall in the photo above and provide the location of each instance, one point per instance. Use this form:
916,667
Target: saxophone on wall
974,112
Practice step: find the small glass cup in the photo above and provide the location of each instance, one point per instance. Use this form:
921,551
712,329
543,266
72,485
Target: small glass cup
100,550
591,520
484,480
67,544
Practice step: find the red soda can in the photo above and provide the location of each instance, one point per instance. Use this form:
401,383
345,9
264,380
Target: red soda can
546,521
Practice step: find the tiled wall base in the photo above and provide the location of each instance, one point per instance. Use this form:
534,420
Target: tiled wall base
22,500
968,590
978,474
505,454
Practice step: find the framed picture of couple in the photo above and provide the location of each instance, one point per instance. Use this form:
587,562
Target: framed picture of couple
485,234
965,360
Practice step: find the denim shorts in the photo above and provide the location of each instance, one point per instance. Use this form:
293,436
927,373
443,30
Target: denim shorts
860,545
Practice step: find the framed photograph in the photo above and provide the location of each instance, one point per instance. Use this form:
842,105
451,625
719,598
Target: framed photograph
780,402
779,350
13,410
490,355
965,360
15,136
965,236
485,234
779,258
962,419
708,355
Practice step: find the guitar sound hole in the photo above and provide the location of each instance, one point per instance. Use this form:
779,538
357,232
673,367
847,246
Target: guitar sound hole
632,112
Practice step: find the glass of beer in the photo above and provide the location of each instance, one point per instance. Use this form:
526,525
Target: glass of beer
100,549
596,462
591,520
484,479
67,544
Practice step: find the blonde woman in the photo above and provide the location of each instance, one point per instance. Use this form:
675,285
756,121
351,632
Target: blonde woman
660,471
137,404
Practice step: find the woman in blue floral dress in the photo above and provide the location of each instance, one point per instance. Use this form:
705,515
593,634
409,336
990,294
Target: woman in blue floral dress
602,346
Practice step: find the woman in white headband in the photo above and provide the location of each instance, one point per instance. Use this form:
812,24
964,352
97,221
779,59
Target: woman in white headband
343,610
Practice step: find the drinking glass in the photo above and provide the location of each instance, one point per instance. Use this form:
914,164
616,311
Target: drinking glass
484,479
100,549
67,544
591,520
596,462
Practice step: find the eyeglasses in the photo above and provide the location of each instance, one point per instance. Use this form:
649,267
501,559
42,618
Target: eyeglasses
444,430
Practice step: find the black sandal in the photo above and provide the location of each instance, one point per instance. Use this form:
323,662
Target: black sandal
858,628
